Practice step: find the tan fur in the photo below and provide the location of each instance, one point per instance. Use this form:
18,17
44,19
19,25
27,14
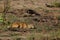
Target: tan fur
22,25
30,26
15,25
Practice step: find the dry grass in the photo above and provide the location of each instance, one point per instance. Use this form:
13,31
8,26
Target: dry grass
45,28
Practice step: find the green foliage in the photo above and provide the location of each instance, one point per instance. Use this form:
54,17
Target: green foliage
58,17
18,38
57,4
1,17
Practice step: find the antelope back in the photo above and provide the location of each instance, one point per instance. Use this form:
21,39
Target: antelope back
15,25
23,25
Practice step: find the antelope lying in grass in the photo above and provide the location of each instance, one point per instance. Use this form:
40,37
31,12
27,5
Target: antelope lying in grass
15,26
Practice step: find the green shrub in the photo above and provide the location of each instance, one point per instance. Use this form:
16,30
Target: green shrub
57,4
